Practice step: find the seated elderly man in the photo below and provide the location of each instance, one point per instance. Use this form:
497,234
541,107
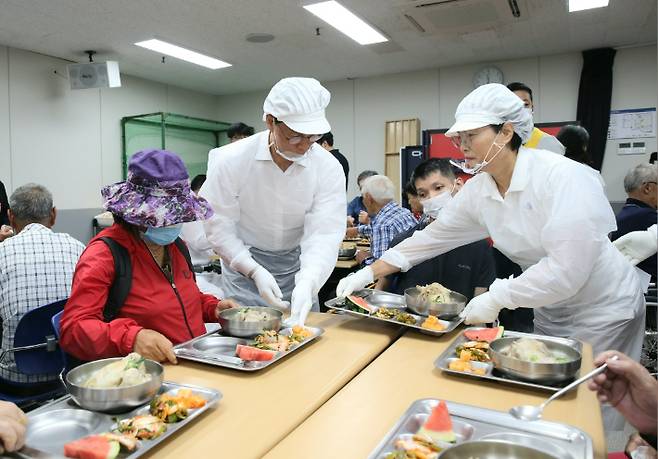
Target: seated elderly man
387,218
639,212
468,269
36,268
356,211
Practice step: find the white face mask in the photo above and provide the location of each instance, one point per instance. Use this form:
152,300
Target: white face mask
479,166
432,206
294,157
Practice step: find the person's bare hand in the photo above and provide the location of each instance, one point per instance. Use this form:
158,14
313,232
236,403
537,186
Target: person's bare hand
364,218
153,345
628,387
226,304
5,232
362,255
13,423
351,233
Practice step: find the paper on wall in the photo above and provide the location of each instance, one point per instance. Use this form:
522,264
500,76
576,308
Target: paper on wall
634,123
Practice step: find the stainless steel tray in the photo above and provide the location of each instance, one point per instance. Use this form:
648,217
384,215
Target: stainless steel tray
62,421
378,299
449,355
219,350
474,423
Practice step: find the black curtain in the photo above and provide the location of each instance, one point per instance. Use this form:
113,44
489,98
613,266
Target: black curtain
594,96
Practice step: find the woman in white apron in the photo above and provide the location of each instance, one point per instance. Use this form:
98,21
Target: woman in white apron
546,213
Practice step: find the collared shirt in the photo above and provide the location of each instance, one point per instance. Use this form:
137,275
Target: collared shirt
390,221
553,221
36,269
258,205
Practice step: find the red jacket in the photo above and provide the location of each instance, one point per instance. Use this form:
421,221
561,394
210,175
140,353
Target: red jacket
152,302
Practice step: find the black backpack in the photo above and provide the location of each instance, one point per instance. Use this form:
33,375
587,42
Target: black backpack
123,275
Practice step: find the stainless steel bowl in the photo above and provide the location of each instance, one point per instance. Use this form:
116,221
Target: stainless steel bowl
231,325
116,399
347,252
441,310
483,449
533,371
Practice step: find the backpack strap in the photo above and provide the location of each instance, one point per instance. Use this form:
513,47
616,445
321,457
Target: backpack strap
182,248
122,279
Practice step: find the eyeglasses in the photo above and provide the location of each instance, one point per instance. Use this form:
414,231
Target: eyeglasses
464,138
297,138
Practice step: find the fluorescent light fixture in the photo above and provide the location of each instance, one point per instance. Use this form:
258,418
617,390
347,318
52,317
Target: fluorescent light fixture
579,5
163,47
339,17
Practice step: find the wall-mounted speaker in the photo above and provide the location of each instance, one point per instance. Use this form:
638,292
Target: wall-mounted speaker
94,75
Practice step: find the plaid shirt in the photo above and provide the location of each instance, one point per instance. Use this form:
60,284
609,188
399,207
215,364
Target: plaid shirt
36,268
388,223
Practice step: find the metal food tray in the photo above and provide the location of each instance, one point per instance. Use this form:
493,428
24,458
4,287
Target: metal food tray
378,299
475,423
62,421
493,374
219,350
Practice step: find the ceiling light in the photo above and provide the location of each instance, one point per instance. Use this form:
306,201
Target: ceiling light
579,5
163,47
336,15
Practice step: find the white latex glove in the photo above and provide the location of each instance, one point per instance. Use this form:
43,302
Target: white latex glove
481,309
355,281
637,246
268,288
300,304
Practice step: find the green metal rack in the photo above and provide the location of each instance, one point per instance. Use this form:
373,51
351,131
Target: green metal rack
191,138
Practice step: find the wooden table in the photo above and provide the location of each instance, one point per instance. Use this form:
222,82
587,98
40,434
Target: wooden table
353,422
259,409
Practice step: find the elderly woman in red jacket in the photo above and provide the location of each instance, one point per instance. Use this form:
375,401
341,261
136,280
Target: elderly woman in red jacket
163,307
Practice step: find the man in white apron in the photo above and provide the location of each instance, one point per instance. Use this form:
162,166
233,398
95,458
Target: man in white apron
279,204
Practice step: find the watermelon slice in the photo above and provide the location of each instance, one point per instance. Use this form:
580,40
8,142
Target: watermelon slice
484,334
253,353
360,304
438,426
92,447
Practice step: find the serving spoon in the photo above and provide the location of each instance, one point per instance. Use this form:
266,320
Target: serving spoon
533,413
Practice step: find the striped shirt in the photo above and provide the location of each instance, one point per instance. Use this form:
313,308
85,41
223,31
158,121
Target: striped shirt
36,269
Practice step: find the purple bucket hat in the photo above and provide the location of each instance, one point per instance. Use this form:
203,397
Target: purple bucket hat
157,192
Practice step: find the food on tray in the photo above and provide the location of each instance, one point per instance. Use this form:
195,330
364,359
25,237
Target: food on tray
473,350
169,408
129,371
484,334
433,323
417,447
252,315
434,293
463,364
358,304
533,350
396,315
273,341
300,333
438,427
251,353
143,427
92,447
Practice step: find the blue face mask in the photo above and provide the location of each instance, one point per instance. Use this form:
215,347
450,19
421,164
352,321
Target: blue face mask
163,236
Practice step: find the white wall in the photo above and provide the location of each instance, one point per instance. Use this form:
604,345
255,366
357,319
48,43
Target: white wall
70,141
634,86
359,108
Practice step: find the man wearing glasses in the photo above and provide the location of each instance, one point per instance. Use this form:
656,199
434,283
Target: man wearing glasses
279,203
639,212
